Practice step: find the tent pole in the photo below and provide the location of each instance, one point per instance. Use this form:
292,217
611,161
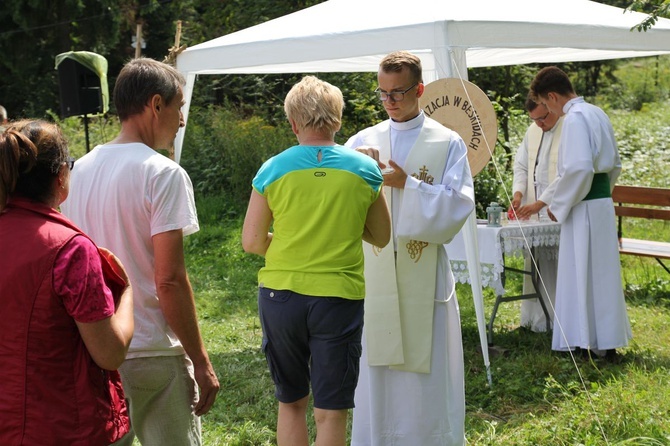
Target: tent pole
472,256
451,62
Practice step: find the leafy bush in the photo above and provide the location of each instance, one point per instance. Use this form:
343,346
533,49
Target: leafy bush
491,184
222,153
494,182
644,141
638,82
101,129
225,145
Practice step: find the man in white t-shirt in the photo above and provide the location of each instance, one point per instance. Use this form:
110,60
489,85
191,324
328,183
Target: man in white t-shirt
139,204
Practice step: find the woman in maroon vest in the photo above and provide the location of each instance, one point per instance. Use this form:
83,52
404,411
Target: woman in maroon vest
65,305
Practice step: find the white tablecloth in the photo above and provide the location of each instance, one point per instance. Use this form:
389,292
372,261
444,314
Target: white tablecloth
508,240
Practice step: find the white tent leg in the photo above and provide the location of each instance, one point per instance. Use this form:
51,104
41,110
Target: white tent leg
472,256
452,63
188,94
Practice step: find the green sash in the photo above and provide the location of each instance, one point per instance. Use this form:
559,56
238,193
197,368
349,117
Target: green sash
600,187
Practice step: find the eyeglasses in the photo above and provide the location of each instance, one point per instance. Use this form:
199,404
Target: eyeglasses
541,119
396,96
70,162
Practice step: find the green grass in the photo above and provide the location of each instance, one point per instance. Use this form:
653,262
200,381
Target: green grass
538,397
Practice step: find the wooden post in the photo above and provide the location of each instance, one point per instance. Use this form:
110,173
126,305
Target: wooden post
175,50
138,41
177,36
171,59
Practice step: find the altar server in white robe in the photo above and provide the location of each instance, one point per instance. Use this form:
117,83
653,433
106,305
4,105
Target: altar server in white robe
411,385
590,307
533,186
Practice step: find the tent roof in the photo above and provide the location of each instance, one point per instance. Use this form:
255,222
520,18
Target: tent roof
353,35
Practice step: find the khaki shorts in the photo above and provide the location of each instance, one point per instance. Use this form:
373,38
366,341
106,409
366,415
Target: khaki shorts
161,393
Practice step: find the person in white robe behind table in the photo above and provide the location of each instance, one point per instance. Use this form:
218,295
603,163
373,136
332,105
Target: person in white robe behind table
533,186
411,385
590,307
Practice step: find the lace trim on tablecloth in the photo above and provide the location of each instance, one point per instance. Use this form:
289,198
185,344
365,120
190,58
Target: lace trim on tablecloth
490,274
514,239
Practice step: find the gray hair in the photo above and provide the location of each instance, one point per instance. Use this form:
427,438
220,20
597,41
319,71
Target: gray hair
141,79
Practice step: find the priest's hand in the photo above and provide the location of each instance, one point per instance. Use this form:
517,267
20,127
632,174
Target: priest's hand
524,212
551,216
396,177
516,201
372,152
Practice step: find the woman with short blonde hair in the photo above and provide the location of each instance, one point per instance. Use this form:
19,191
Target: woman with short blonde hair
321,200
315,104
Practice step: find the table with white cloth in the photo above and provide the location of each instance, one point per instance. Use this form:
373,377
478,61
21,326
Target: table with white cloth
515,238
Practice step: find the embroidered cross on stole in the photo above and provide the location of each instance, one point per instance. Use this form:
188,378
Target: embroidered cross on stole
400,286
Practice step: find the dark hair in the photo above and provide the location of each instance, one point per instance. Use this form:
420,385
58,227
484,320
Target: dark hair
551,80
31,155
397,61
530,104
141,79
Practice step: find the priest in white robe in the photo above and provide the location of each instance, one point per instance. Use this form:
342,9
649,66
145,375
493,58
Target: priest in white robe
411,385
533,187
590,307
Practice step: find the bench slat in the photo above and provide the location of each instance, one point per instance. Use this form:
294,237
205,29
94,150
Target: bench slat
657,214
652,196
644,197
645,248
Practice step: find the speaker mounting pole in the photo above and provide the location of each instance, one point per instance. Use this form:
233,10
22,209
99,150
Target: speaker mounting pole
88,145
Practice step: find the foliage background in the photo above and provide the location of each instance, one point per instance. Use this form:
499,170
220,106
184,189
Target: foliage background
246,110
33,32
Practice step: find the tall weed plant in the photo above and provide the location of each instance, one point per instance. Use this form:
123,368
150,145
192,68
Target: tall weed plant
637,83
101,129
644,144
223,152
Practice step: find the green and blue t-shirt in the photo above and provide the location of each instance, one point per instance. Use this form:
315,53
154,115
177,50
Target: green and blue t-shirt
319,210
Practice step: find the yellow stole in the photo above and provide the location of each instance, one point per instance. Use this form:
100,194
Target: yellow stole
534,141
400,288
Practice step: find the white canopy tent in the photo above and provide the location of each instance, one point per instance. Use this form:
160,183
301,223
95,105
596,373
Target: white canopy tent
449,36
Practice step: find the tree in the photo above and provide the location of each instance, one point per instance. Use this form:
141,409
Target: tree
654,8
33,33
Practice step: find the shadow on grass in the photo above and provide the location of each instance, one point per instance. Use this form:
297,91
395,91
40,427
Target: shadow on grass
245,411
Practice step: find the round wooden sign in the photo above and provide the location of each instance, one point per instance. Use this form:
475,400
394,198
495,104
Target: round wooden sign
463,107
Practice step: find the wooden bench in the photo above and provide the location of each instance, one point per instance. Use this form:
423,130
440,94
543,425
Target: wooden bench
642,202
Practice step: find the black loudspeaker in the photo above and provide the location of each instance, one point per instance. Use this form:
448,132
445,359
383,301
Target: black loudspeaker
80,90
